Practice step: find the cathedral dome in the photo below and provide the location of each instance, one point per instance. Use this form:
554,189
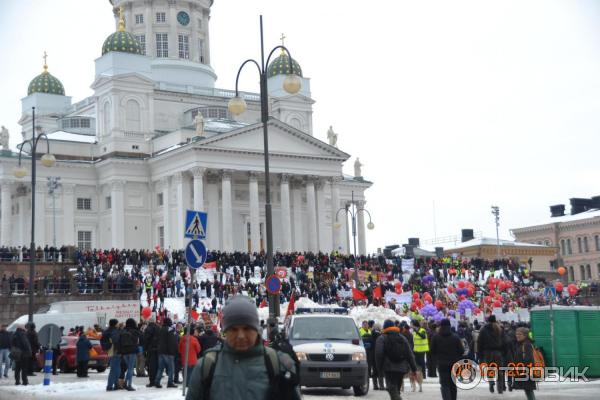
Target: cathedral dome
281,66
45,83
121,41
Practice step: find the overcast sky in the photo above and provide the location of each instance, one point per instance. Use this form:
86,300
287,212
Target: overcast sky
461,104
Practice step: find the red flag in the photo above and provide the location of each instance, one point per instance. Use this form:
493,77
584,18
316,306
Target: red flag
358,295
210,265
290,309
377,292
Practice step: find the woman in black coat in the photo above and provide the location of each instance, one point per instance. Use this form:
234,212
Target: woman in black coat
523,353
20,352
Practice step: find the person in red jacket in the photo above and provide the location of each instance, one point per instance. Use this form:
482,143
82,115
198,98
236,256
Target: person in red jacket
192,354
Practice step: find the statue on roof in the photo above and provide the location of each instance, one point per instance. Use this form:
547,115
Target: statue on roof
357,171
332,137
4,136
199,122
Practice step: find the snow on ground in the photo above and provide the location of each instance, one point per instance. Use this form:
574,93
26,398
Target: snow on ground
377,314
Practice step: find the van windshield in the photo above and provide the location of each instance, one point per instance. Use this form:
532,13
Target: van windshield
324,328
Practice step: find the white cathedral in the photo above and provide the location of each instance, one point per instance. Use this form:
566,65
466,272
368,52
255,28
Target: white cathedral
156,138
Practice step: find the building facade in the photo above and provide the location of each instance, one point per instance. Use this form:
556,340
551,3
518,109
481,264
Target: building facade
576,237
156,138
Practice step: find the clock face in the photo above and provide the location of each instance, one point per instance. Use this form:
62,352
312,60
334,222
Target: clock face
183,18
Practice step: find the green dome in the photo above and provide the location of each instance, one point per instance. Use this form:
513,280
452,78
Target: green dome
45,83
281,66
121,41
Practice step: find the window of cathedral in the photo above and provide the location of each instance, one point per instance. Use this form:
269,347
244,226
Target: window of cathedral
184,46
201,50
132,116
108,202
161,236
162,45
159,199
199,23
161,18
74,123
139,19
142,40
84,240
597,240
84,203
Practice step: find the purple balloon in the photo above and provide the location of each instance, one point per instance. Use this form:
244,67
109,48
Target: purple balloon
428,311
438,317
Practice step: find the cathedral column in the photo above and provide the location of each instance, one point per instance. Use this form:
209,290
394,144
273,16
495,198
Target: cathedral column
6,214
324,240
22,201
40,214
206,41
337,225
166,212
297,204
68,207
198,174
227,211
178,224
286,222
194,36
173,40
213,229
360,221
254,212
312,216
117,213
148,22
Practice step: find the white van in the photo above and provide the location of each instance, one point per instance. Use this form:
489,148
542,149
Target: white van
70,314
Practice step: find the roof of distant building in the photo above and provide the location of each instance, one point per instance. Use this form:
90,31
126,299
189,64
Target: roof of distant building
491,242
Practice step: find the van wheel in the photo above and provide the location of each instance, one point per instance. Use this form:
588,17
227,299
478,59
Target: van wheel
361,390
101,369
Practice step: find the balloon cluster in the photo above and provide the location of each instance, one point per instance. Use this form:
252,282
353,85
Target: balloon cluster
464,305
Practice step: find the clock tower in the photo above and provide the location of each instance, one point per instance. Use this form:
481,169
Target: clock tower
175,35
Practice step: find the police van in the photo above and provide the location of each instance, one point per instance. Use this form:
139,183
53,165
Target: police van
329,347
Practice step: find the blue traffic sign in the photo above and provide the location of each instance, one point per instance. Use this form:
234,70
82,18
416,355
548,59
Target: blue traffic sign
195,224
195,254
273,284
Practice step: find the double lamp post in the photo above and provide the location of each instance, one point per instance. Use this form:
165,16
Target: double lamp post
237,105
48,160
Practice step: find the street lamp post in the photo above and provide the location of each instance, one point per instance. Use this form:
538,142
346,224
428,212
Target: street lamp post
352,209
236,106
20,171
496,212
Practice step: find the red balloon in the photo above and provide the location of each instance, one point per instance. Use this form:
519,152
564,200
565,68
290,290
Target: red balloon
470,291
451,289
427,301
415,296
487,299
559,287
413,307
195,315
562,270
501,286
497,304
398,288
146,312
462,297
418,303
461,284
493,293
439,305
491,285
427,296
476,310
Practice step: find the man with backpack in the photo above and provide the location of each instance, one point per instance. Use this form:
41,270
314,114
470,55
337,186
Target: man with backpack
243,368
109,343
129,342
394,357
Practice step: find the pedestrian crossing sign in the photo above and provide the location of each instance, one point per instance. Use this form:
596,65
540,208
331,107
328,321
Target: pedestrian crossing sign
195,224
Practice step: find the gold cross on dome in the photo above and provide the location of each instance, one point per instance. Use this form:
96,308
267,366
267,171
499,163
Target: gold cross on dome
45,61
282,38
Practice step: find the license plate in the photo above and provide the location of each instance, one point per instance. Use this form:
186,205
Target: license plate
331,375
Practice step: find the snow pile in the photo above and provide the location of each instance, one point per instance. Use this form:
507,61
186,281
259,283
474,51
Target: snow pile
377,314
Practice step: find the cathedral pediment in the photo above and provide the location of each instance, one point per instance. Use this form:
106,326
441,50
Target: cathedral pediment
284,140
129,78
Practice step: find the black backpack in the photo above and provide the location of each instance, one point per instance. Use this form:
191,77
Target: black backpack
128,342
394,348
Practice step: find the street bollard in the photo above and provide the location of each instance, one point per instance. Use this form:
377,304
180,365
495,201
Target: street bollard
47,367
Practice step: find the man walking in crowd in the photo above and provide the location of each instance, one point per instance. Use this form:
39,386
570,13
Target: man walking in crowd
168,342
421,347
489,345
243,368
447,348
129,341
83,346
151,347
34,342
20,352
394,358
110,344
4,351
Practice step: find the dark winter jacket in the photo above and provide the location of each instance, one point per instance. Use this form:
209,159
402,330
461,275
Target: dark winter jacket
150,341
523,353
83,348
384,364
207,340
446,347
129,341
20,341
490,338
34,342
168,341
4,340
